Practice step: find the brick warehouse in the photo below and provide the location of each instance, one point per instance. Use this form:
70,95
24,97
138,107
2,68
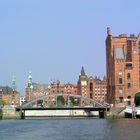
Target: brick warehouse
94,88
123,69
9,95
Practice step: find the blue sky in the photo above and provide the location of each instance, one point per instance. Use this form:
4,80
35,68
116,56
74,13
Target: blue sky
54,38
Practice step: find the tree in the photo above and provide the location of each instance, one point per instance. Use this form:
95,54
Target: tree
60,101
2,102
71,101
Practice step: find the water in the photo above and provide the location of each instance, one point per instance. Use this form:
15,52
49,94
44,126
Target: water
70,129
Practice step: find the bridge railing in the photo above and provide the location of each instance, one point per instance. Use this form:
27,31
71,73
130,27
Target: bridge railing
85,99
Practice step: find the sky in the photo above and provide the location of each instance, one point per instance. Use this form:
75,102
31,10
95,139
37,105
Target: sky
54,38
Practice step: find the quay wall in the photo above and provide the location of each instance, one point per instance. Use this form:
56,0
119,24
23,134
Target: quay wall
9,113
116,113
60,113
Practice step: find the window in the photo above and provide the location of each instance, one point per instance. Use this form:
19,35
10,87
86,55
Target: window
128,85
121,99
120,91
129,65
128,76
120,81
129,100
91,86
120,87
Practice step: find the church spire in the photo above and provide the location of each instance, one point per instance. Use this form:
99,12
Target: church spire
13,83
83,71
30,80
109,31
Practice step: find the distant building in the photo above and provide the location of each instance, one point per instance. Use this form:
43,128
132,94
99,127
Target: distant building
68,88
98,88
94,88
58,88
29,89
34,90
123,69
83,84
22,100
9,96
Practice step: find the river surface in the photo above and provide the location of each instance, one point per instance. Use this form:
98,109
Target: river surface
70,129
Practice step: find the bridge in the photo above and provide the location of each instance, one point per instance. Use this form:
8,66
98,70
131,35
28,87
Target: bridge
61,105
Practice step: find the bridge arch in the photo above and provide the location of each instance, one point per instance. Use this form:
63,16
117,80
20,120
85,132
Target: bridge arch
46,98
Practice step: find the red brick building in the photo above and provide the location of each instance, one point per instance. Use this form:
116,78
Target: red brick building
99,88
94,88
123,69
9,96
68,88
34,90
29,89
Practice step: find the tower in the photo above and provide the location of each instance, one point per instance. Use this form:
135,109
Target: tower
30,83
14,97
123,68
29,88
14,84
83,83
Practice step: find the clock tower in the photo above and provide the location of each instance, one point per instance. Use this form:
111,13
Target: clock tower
83,83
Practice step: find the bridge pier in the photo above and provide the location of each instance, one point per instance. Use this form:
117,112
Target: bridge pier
22,114
101,114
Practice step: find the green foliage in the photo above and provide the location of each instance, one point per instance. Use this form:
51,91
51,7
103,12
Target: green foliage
2,102
60,101
73,101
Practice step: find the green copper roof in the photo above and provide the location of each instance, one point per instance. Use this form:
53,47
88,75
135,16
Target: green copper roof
30,79
14,84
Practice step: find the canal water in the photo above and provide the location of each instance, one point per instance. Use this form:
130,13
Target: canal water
70,129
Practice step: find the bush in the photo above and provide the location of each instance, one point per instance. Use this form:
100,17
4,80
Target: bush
2,102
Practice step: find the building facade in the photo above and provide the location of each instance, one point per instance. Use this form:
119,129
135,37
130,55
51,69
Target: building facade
29,89
99,88
35,90
68,88
94,88
123,69
22,100
8,96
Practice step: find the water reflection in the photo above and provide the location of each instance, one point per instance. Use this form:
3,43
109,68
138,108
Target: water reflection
70,129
